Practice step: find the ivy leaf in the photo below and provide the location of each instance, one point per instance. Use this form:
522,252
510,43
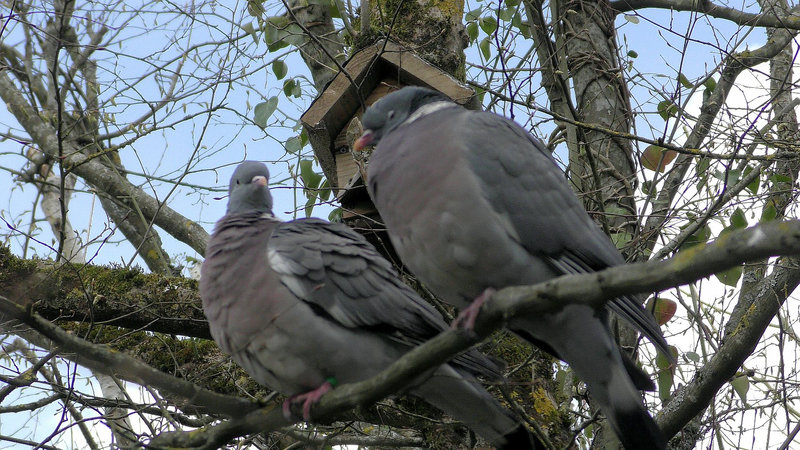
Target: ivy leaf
684,81
486,49
335,216
251,30
255,8
288,87
755,184
472,31
667,109
516,22
632,19
310,178
473,15
279,68
506,14
730,277
621,239
770,212
666,375
738,219
700,236
294,144
264,110
710,85
741,384
325,190
488,24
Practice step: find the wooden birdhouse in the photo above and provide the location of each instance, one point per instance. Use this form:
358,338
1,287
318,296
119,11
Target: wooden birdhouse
333,120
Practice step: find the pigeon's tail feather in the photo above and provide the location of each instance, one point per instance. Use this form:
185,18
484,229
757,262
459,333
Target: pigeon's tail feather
460,395
583,341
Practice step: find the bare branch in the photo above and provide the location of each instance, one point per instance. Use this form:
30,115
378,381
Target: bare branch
713,10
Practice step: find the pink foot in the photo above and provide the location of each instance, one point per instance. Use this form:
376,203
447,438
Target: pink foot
308,399
466,318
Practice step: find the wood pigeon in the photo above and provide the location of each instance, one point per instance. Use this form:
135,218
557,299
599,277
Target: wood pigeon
306,304
472,203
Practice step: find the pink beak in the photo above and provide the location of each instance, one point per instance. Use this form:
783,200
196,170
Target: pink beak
363,141
259,180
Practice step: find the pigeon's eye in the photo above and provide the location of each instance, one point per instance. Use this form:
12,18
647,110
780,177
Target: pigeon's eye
390,115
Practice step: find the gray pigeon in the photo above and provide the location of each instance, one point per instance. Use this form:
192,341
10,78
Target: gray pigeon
308,304
472,203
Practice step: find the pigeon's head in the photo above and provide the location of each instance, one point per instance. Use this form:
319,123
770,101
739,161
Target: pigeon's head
248,189
391,111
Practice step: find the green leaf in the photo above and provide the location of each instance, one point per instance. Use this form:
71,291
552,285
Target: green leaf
702,166
741,384
662,362
770,212
755,184
280,33
700,236
778,178
335,215
684,81
251,30
486,49
310,178
294,144
309,206
665,375
692,356
488,24
710,85
730,277
311,181
255,8
279,68
524,29
667,109
264,110
333,8
621,239
304,137
273,26
646,186
473,15
325,190
288,87
665,381
632,54
631,18
738,219
506,14
472,31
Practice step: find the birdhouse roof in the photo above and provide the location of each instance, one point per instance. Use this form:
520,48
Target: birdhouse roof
383,64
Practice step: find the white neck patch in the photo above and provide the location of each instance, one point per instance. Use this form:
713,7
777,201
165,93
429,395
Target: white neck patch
428,109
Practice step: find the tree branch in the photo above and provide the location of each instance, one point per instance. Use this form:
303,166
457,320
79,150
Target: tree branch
734,65
103,359
713,10
100,176
590,289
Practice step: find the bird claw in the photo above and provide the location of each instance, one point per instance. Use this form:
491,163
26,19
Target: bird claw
308,399
467,317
